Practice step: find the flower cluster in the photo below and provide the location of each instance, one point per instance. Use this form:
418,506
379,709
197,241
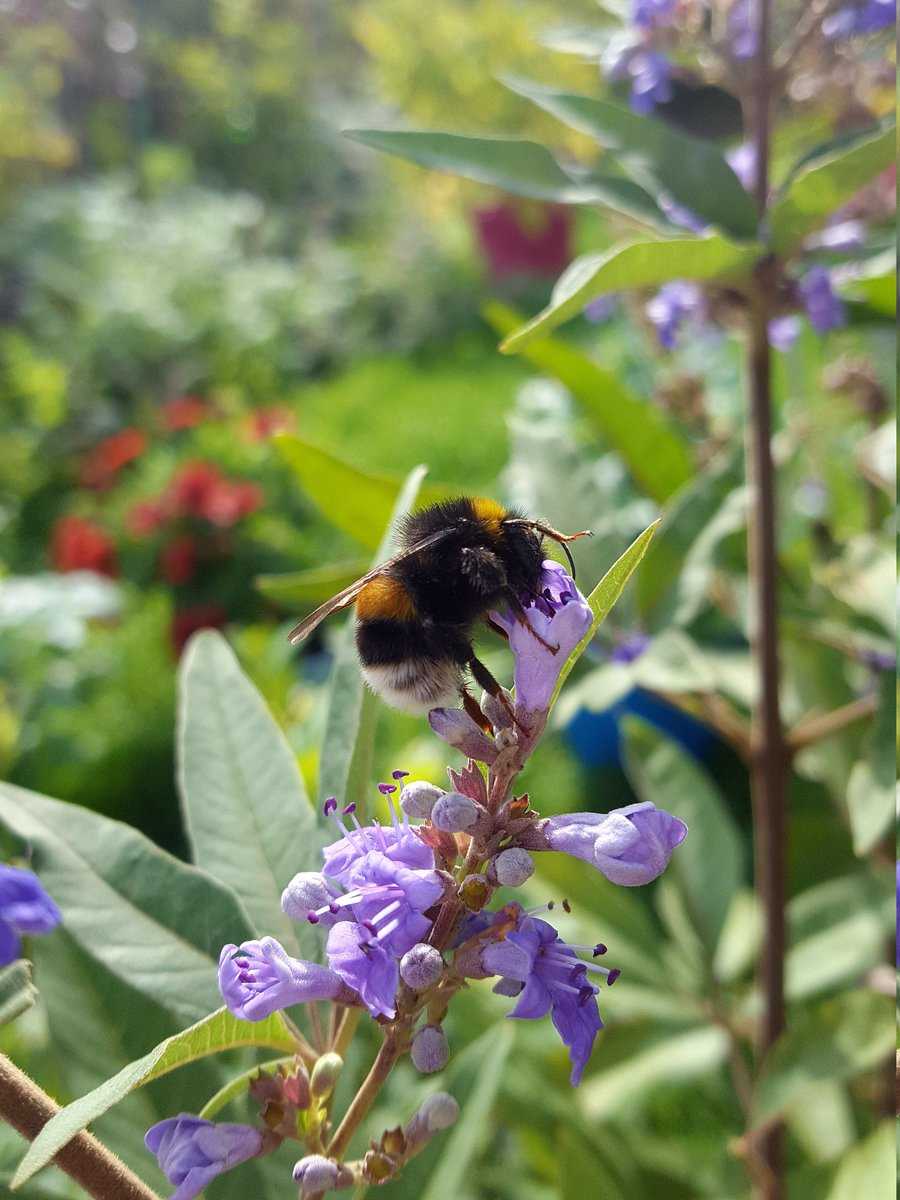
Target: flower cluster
25,910
407,920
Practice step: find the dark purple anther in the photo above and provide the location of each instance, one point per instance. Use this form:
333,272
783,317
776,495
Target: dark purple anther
399,774
387,788
613,976
330,806
600,948
348,809
312,917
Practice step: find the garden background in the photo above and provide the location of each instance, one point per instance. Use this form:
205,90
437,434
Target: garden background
227,334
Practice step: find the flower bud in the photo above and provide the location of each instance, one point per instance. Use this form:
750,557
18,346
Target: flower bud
421,967
511,867
307,892
458,729
429,1051
455,813
419,797
439,1111
315,1174
325,1075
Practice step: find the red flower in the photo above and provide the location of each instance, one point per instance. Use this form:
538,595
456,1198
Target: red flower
178,560
201,490
264,423
230,501
184,412
145,517
513,247
108,457
80,545
189,620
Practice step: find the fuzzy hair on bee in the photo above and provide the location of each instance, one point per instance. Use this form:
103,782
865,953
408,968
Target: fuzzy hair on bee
415,613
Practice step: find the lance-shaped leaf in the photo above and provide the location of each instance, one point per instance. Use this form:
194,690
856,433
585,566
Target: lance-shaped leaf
152,920
304,590
348,745
650,446
827,182
520,167
872,785
215,1033
604,596
17,992
638,264
692,171
246,811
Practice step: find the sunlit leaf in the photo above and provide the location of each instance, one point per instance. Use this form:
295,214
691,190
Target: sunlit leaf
869,1168
218,1032
305,590
637,264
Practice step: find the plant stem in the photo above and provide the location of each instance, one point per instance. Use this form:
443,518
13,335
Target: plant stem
364,1098
28,1109
814,729
770,757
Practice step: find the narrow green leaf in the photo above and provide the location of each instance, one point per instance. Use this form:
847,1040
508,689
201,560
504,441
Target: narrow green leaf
450,1173
152,920
604,596
817,190
17,992
215,1033
869,1168
838,1039
740,938
649,444
637,264
348,745
246,811
670,1061
691,170
664,773
304,590
520,167
872,785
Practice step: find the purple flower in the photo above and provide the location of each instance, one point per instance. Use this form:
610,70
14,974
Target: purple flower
560,616
547,975
823,307
192,1152
25,908
388,900
784,331
259,978
630,845
742,160
456,728
400,843
653,14
601,309
841,237
855,19
742,28
672,305
364,965
630,649
651,81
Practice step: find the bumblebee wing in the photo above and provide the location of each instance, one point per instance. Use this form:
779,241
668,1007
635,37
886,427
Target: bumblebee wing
346,597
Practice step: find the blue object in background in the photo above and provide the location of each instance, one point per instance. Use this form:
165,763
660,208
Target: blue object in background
595,738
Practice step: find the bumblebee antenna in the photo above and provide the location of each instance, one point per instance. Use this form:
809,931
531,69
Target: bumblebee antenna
549,531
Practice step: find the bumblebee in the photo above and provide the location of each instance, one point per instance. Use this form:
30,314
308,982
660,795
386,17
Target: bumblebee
415,613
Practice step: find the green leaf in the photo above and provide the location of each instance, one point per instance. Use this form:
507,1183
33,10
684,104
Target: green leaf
246,811
869,1168
817,190
17,992
836,1040
348,745
872,787
520,167
604,596
665,774
692,171
670,1061
307,589
155,922
448,1177
649,444
740,938
821,1119
217,1032
638,264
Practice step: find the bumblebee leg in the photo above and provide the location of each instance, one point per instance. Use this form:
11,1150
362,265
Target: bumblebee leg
485,679
519,615
472,707
492,624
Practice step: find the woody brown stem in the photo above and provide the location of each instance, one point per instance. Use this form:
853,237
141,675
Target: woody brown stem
365,1097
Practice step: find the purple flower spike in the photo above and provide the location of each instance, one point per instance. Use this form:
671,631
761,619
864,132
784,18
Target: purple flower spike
823,307
560,616
550,978
398,842
191,1152
653,14
25,908
365,966
672,305
260,978
856,19
630,846
651,81
456,727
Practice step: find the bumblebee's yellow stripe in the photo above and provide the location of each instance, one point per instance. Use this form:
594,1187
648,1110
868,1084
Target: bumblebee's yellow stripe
490,513
385,599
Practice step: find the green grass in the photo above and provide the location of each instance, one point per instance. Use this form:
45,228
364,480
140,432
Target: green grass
389,414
